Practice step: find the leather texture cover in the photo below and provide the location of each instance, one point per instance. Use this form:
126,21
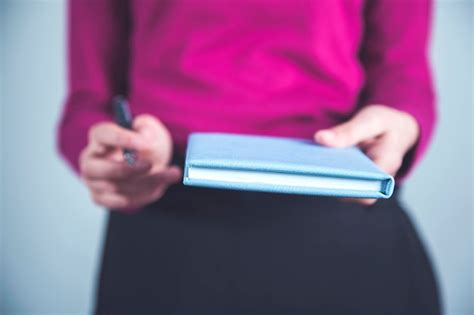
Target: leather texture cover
284,156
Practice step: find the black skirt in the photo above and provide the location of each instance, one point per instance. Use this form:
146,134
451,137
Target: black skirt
203,251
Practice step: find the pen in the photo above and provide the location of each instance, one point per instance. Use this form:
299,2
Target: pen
123,117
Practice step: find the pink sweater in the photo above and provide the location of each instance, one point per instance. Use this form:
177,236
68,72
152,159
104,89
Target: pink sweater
274,67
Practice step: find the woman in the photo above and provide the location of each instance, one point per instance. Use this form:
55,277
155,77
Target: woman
348,72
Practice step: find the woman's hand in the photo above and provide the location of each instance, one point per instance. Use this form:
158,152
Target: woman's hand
112,182
383,133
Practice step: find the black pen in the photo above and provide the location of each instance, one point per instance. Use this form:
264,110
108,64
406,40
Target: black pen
123,117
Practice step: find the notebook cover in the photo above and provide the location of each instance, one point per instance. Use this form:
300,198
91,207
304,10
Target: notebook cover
281,155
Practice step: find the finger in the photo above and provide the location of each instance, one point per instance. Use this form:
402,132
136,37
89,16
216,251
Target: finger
110,200
94,148
168,177
112,135
363,126
386,156
138,185
109,195
365,202
101,186
149,182
148,125
95,168
365,144
128,201
144,198
157,136
172,175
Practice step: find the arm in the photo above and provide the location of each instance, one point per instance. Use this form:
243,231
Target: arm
98,57
97,69
397,117
394,54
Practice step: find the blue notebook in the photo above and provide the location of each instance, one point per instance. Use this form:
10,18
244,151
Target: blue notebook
282,165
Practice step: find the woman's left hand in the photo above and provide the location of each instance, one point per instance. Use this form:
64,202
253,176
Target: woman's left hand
383,133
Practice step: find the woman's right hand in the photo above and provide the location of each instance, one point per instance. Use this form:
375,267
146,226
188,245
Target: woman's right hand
111,181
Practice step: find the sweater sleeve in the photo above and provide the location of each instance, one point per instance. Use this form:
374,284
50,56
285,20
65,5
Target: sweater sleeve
97,69
394,54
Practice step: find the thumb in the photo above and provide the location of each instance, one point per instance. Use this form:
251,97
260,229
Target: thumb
172,175
363,126
158,138
148,126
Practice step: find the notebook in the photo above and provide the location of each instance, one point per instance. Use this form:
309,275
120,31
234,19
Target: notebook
282,165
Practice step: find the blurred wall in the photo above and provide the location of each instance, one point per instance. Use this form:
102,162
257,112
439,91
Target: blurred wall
2,71
440,193
51,233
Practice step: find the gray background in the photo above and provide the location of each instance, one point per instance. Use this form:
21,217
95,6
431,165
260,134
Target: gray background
51,233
